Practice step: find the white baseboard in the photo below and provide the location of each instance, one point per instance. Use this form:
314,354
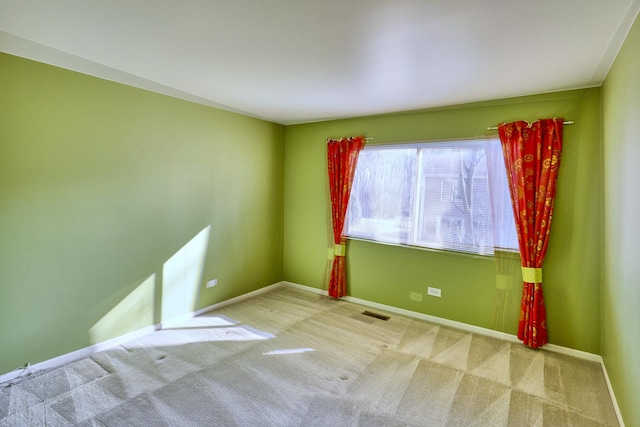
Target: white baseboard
114,342
74,356
453,324
613,396
237,299
477,330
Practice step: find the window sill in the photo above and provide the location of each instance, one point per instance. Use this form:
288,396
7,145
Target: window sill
498,254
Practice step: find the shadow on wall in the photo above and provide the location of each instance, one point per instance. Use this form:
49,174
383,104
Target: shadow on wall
178,295
506,308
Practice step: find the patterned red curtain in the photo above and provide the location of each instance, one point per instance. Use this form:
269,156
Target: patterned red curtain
342,156
532,157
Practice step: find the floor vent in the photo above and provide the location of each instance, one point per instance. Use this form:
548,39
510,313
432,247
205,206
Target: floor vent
376,315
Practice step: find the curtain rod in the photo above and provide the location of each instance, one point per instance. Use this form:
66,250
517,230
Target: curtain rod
568,122
368,138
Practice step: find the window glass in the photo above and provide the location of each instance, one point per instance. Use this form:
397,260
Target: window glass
449,195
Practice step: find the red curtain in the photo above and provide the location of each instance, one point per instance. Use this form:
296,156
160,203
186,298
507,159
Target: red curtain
342,156
532,158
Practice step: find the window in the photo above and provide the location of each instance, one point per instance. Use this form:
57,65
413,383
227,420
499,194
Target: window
442,195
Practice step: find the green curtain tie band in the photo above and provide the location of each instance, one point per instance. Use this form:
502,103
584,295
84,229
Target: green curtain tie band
339,250
531,275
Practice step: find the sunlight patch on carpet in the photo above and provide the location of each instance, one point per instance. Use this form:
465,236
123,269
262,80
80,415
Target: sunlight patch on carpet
288,351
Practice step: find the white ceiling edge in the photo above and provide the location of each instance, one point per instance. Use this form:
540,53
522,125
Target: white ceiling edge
27,49
615,44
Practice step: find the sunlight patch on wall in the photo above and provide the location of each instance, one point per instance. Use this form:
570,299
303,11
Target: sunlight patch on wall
181,277
133,312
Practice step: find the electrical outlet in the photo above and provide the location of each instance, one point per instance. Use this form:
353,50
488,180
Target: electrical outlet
414,296
434,292
212,283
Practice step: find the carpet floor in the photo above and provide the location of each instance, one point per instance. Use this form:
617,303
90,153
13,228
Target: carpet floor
292,358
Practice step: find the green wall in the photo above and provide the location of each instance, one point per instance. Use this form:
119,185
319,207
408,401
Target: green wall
470,291
117,205
621,282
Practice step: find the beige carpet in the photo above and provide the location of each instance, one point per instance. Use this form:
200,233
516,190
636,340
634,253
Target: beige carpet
292,358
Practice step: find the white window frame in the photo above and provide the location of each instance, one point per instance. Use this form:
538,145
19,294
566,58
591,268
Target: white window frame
413,238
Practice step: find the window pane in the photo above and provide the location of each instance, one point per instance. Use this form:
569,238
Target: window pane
504,233
454,210
381,201
449,195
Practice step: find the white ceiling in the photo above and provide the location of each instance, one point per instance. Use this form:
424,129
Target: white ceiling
295,61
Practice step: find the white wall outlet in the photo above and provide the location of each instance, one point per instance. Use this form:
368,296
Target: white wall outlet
414,296
212,283
434,292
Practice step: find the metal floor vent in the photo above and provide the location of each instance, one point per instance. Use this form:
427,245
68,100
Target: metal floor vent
376,315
